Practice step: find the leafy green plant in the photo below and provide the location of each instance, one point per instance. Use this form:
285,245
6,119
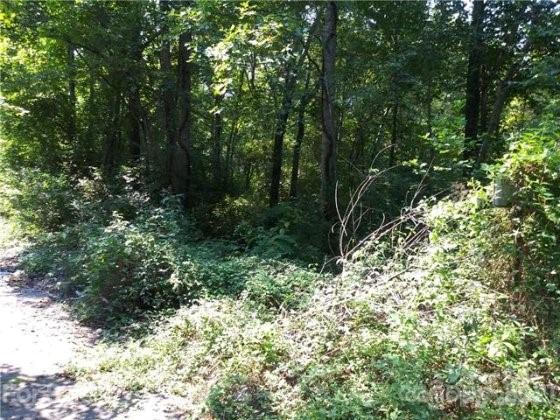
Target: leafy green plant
239,397
286,288
532,225
284,231
39,201
150,258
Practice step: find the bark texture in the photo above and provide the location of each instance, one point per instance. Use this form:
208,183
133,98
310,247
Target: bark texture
328,146
472,104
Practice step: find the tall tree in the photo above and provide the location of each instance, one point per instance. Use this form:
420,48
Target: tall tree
135,112
291,72
472,104
280,131
217,128
328,145
300,133
72,100
168,92
182,158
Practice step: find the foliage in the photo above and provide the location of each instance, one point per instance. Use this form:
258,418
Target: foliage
285,288
532,165
435,331
284,231
238,397
90,92
143,154
38,201
124,257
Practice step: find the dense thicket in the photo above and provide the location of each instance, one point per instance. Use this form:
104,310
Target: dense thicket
336,209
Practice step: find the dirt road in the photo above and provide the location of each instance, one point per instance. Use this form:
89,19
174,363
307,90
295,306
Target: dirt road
37,339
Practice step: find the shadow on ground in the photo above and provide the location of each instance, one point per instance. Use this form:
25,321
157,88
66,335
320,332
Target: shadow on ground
44,397
49,397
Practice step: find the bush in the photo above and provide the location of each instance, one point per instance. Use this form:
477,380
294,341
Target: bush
533,165
239,397
286,288
285,231
223,217
124,269
39,201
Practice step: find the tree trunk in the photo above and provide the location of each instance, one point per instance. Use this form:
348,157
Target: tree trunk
379,139
300,133
181,179
358,146
282,120
248,175
297,153
217,128
113,134
430,153
227,175
484,91
135,122
135,112
499,104
84,154
502,94
72,101
168,96
72,95
328,147
394,133
472,105
228,170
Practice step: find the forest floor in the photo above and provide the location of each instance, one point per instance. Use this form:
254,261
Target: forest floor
38,337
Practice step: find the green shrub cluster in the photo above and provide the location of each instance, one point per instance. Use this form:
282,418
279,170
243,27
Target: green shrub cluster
284,231
515,249
38,201
128,268
123,257
533,166
239,397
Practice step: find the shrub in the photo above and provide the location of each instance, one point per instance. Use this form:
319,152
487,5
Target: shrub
533,165
124,269
286,288
239,397
285,231
223,217
121,269
39,201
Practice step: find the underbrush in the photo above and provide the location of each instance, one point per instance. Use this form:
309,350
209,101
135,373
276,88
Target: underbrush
120,256
462,325
423,338
123,270
285,231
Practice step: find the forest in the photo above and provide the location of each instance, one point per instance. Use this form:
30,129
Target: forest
284,209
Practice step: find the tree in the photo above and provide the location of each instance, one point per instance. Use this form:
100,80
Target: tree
472,104
167,92
182,158
203,98
291,70
328,146
300,134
